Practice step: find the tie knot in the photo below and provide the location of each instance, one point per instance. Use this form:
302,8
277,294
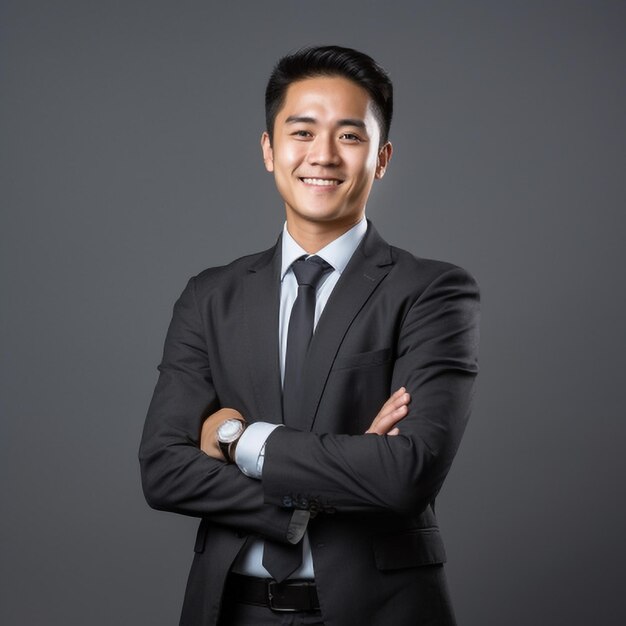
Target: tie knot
310,271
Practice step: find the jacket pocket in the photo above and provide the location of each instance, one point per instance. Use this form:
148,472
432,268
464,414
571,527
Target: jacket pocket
409,548
362,359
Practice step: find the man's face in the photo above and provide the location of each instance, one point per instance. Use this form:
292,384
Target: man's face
325,153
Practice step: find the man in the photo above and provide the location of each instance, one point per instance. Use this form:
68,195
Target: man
312,397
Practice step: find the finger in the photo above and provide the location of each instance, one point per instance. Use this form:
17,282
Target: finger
393,432
391,419
399,398
383,425
394,403
397,401
396,395
393,398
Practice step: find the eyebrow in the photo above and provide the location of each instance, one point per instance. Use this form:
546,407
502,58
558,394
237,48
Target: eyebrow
303,119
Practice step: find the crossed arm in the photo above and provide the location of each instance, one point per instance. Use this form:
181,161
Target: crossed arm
435,360
385,422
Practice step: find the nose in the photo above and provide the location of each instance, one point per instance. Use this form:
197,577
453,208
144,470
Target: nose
323,151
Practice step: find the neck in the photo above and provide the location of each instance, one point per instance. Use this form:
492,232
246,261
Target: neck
312,237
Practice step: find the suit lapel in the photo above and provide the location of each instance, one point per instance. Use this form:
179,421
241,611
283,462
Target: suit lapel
261,311
370,263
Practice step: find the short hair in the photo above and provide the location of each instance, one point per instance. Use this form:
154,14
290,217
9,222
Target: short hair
331,61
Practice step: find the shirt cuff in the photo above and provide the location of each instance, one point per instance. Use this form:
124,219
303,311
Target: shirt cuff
250,450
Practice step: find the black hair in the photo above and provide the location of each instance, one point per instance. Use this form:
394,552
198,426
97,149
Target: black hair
331,61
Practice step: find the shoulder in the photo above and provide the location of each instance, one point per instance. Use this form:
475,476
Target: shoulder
409,270
423,273
427,268
223,276
437,296
231,271
223,282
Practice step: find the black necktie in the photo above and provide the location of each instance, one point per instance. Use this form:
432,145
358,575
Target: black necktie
308,273
280,560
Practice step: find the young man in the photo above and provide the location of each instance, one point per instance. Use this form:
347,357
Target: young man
312,396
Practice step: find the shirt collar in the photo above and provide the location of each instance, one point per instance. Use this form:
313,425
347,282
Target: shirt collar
337,253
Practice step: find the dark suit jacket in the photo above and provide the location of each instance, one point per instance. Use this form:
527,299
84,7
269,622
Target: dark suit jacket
392,320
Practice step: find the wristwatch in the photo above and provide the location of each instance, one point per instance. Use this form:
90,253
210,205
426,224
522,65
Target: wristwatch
228,434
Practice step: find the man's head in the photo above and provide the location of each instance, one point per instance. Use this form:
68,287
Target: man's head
328,111
331,61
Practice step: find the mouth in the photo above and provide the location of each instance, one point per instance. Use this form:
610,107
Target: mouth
321,182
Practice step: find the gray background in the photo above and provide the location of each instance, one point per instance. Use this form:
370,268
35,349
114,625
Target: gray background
130,161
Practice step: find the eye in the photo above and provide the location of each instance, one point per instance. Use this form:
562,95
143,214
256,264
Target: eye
301,134
351,137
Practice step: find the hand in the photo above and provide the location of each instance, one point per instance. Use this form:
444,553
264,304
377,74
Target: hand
394,410
208,435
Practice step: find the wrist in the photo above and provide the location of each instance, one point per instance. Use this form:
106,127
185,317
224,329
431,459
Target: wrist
227,435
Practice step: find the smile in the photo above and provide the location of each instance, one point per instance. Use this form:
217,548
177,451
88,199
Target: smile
321,182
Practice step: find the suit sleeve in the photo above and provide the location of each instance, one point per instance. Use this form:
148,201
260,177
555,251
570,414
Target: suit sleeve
176,475
436,360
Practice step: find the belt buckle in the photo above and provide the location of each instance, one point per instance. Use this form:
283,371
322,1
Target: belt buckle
272,597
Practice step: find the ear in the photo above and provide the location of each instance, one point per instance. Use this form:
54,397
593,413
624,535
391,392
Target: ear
268,153
384,156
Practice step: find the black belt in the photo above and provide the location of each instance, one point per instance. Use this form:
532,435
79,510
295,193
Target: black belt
288,596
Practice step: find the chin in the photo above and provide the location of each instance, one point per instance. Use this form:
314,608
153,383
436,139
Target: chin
320,217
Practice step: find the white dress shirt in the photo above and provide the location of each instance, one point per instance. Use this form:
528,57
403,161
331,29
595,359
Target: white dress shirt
249,454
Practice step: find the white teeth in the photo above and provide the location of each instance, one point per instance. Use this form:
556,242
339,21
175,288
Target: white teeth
322,182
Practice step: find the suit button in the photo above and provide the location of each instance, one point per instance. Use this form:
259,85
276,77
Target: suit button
287,501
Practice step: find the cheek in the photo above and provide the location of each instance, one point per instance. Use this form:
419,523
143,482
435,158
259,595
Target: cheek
363,162
364,173
288,157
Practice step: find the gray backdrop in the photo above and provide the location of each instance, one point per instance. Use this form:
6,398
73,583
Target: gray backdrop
130,160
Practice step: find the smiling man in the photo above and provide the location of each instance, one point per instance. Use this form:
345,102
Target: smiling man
312,397
325,151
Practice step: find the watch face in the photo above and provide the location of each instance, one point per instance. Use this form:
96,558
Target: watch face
229,430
